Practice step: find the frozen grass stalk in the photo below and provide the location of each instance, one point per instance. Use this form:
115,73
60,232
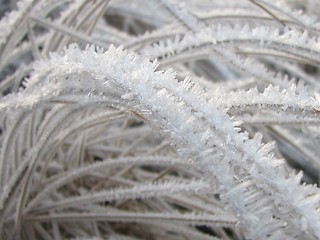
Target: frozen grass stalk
159,119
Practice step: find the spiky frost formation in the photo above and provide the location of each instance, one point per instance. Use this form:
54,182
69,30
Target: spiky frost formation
81,155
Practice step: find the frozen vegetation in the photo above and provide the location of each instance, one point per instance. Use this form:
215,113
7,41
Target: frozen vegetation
159,119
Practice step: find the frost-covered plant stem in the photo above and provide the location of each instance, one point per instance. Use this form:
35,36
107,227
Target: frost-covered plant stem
252,181
78,156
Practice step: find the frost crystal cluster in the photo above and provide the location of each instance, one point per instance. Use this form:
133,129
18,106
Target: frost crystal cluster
159,119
